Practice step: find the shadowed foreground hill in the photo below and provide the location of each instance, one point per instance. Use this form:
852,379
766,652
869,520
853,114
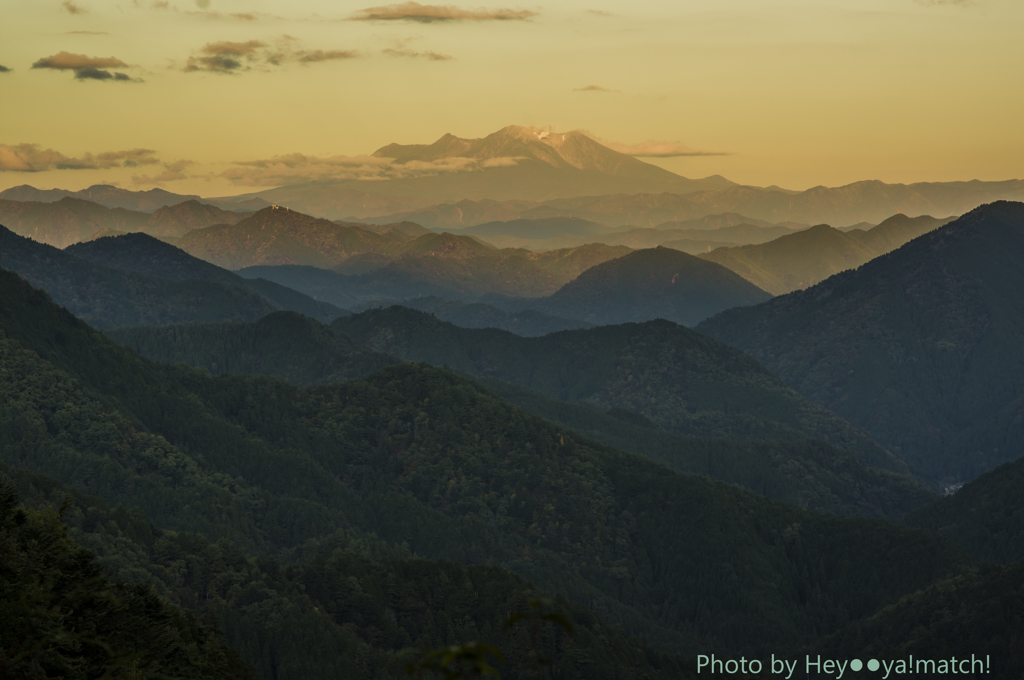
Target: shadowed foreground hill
802,259
920,348
425,461
659,283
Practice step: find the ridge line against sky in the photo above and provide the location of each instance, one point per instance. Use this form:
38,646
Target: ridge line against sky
187,94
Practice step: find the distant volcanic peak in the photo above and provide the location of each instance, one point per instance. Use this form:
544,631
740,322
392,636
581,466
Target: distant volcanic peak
558,149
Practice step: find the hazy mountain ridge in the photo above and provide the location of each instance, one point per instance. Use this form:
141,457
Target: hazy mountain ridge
70,220
866,201
919,347
803,259
144,254
692,241
651,284
103,194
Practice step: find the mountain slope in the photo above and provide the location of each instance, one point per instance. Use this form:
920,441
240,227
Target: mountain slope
802,259
919,347
969,624
986,515
659,283
808,473
274,236
66,221
282,344
527,323
174,221
420,457
684,382
109,297
146,255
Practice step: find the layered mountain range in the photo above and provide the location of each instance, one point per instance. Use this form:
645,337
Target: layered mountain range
528,173
867,201
70,220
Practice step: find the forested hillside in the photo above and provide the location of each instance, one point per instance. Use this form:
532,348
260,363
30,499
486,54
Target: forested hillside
986,515
787,466
418,457
684,382
60,616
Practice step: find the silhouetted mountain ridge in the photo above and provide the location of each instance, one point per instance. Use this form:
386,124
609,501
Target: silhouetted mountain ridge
919,347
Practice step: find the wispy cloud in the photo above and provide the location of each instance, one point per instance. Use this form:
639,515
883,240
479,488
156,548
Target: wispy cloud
600,12
313,56
235,57
414,11
67,61
593,88
33,158
72,8
99,74
296,168
961,3
85,67
172,172
432,56
86,33
203,12
225,56
230,16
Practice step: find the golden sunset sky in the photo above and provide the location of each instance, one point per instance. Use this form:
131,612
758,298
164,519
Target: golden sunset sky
188,94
